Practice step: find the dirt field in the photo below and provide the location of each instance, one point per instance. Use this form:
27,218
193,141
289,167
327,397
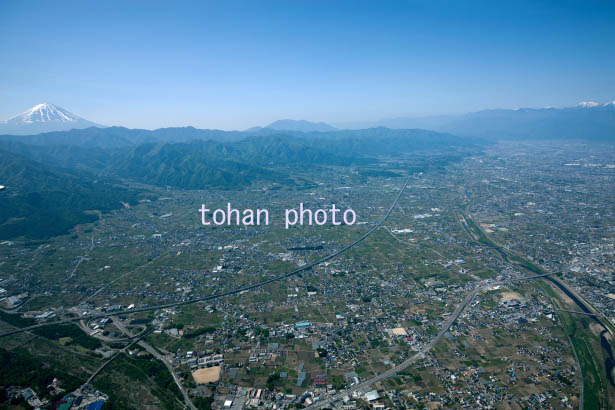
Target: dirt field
505,296
207,375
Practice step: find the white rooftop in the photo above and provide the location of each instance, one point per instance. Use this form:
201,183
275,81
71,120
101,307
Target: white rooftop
372,395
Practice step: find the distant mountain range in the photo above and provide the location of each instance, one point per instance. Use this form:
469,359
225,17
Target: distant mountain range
300,125
44,118
199,163
588,120
72,171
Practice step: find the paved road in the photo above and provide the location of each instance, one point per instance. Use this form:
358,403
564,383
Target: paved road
100,336
230,292
588,309
118,323
158,356
137,339
367,384
100,369
108,284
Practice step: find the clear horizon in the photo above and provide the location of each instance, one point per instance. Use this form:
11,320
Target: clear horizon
337,124
153,65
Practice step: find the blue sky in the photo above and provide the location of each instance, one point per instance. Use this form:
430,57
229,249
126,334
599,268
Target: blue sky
232,65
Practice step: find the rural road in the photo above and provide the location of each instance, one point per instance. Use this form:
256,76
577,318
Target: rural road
367,384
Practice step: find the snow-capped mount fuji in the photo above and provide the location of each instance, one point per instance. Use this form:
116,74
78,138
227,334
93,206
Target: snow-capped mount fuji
47,113
44,118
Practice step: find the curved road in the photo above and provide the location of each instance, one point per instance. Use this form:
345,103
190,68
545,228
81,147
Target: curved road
101,368
364,386
158,356
230,292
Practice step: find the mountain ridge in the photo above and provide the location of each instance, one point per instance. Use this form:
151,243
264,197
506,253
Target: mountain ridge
300,125
587,120
41,200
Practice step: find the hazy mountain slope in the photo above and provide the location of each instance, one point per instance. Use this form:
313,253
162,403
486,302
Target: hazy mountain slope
117,137
288,150
202,164
588,120
190,166
42,201
63,156
384,141
114,137
591,123
300,125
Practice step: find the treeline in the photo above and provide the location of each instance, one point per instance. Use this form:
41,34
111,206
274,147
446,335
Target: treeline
199,332
77,336
41,200
20,368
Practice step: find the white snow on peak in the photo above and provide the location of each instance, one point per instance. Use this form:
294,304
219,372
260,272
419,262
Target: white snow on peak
45,113
610,103
587,104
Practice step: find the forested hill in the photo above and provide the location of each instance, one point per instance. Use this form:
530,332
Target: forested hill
41,200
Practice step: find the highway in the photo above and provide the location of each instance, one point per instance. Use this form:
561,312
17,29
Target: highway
118,323
100,369
137,339
230,292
